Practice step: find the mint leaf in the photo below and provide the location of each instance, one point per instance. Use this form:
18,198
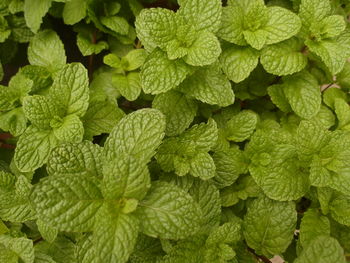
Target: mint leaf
46,50
67,202
238,62
315,252
129,86
116,24
21,246
178,110
68,129
125,177
85,45
74,11
268,226
34,11
168,212
241,126
339,209
47,232
70,89
155,27
138,134
204,15
159,74
134,59
284,58
282,24
33,148
209,85
313,11
76,159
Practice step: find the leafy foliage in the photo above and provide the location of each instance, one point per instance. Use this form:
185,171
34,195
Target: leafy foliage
147,131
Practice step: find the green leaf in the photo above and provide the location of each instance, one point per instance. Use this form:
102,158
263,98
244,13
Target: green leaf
229,232
34,11
256,39
137,134
331,52
129,86
47,232
159,74
329,27
313,224
85,250
67,202
62,250
322,249
204,51
178,109
238,62
114,237
201,165
76,159
339,209
229,164
68,129
40,110
33,148
241,126
331,94
21,246
208,198
46,50
203,15
85,45
276,93
134,59
303,94
342,111
209,85
117,24
284,58
282,24
13,121
268,226
125,177
168,212
7,255
74,11
155,27
101,117
70,89
311,11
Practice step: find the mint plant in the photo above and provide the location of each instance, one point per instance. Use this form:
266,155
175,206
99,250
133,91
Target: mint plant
174,131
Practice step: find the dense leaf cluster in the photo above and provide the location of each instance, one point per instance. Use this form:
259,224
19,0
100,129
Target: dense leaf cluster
189,131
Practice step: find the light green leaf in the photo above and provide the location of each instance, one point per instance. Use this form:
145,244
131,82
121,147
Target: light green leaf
303,94
229,164
46,50
117,24
331,94
7,255
202,165
114,237
155,27
85,45
13,121
323,249
208,198
329,27
282,24
129,86
209,85
21,246
40,110
74,11
268,226
68,129
101,117
256,39
313,11
229,232
34,11
342,110
168,212
284,58
134,59
76,159
159,74
238,62
241,126
85,250
276,93
70,89
204,15
313,224
331,53
47,232
339,209
178,110
137,134
33,148
204,51
125,177
67,202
